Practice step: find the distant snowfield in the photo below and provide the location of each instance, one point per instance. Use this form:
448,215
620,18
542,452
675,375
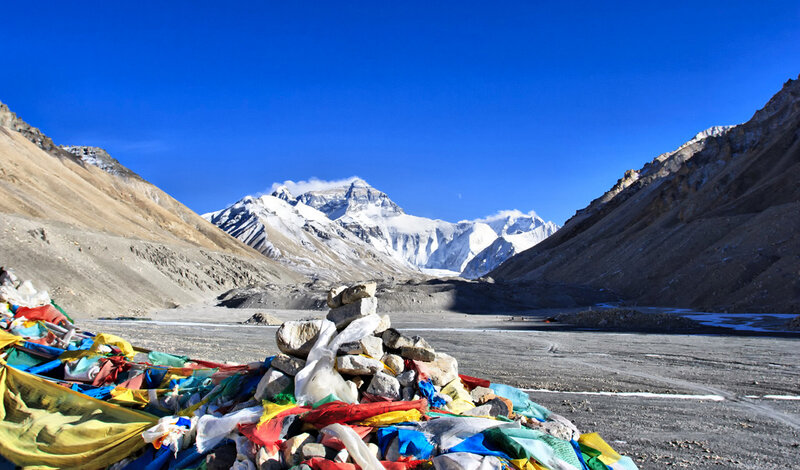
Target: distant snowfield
440,272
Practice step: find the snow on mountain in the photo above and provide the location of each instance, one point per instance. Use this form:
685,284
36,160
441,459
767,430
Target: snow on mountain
504,247
98,157
369,218
354,196
302,237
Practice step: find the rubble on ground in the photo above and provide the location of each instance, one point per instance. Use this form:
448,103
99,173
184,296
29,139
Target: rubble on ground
624,319
263,319
347,392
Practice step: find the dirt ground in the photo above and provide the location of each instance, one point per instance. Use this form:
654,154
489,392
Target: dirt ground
687,401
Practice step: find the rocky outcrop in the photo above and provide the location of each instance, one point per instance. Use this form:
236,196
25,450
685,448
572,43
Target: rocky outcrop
101,159
11,121
713,225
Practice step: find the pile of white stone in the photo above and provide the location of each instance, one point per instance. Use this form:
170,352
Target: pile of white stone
376,367
375,364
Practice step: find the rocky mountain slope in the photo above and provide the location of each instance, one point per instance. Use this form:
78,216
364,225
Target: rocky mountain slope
119,242
713,225
304,239
355,218
101,159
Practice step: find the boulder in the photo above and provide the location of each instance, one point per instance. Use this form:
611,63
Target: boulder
271,384
370,345
346,314
342,456
260,318
393,450
509,403
441,370
384,385
417,354
314,449
393,339
481,395
558,426
419,342
344,296
483,410
384,325
292,446
394,362
289,365
334,300
407,378
296,338
267,461
358,365
359,291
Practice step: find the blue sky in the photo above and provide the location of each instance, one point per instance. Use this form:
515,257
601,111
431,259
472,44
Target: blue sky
456,110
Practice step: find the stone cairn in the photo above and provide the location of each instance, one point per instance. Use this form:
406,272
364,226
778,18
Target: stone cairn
376,366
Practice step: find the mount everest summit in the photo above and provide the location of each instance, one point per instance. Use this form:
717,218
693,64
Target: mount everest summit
354,224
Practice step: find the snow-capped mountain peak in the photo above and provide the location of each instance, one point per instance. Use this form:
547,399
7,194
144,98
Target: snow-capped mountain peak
354,196
283,193
300,236
510,222
355,210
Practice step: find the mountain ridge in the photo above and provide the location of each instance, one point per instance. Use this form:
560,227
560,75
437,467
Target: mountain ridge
711,225
421,243
109,242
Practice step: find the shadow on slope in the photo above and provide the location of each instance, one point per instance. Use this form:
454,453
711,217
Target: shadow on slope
477,297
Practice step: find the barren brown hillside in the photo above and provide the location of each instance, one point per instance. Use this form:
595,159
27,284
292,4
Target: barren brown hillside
69,223
714,225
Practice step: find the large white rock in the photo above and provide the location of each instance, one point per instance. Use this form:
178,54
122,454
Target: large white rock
394,362
292,448
384,385
271,384
417,354
393,339
347,295
314,449
372,346
289,365
358,365
346,314
296,338
442,370
267,461
384,325
407,378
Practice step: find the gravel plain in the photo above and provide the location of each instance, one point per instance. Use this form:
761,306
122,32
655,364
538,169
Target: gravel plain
686,401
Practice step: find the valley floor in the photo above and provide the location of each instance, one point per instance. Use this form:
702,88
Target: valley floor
687,401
